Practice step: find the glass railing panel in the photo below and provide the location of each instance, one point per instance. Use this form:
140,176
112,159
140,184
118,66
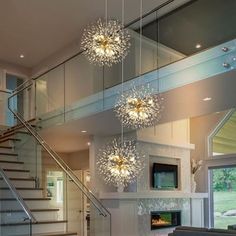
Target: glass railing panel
81,213
160,44
46,174
50,92
6,117
83,216
98,225
146,53
83,81
13,218
113,74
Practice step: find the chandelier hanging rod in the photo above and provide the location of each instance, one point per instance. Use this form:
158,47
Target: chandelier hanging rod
150,12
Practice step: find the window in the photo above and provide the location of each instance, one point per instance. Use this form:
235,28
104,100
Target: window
222,140
59,190
223,197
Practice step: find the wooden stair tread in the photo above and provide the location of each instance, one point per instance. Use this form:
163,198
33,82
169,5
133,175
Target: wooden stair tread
16,170
53,234
27,199
42,210
9,139
8,154
57,234
13,162
35,223
21,179
22,188
11,133
14,131
6,147
32,210
17,126
6,136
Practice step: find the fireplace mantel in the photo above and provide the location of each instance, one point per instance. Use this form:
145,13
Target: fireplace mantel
151,194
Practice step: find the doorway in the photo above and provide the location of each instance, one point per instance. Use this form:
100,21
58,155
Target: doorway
78,205
223,196
12,82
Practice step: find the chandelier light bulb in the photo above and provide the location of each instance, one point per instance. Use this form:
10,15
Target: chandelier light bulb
139,107
105,43
120,163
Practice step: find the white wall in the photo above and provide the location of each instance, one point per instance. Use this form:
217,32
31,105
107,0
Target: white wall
167,143
175,133
170,140
200,128
78,160
16,70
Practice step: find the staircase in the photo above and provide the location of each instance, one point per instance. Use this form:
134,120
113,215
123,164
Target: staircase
12,223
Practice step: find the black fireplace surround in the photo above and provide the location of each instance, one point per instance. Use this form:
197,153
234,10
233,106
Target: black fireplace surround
165,219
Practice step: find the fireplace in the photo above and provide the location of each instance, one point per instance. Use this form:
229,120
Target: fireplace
165,219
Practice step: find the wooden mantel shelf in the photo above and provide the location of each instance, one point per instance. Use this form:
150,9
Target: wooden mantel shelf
151,194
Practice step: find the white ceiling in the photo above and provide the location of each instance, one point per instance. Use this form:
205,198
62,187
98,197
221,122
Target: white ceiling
68,137
40,28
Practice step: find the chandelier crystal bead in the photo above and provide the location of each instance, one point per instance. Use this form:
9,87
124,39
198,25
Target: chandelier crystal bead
139,107
120,163
105,42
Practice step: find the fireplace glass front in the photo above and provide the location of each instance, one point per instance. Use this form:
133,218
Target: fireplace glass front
165,219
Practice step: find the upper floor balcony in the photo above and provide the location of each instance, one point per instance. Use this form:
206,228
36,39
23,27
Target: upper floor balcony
166,54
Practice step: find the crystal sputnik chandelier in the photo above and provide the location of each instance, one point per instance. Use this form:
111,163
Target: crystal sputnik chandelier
139,107
105,42
120,163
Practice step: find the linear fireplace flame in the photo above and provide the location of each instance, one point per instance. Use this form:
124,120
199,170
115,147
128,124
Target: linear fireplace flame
156,221
164,219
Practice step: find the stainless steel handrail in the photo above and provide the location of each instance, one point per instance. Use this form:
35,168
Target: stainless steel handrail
88,193
28,81
17,196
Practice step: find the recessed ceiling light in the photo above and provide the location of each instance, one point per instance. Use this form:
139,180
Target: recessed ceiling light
22,56
206,99
198,45
88,143
84,131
